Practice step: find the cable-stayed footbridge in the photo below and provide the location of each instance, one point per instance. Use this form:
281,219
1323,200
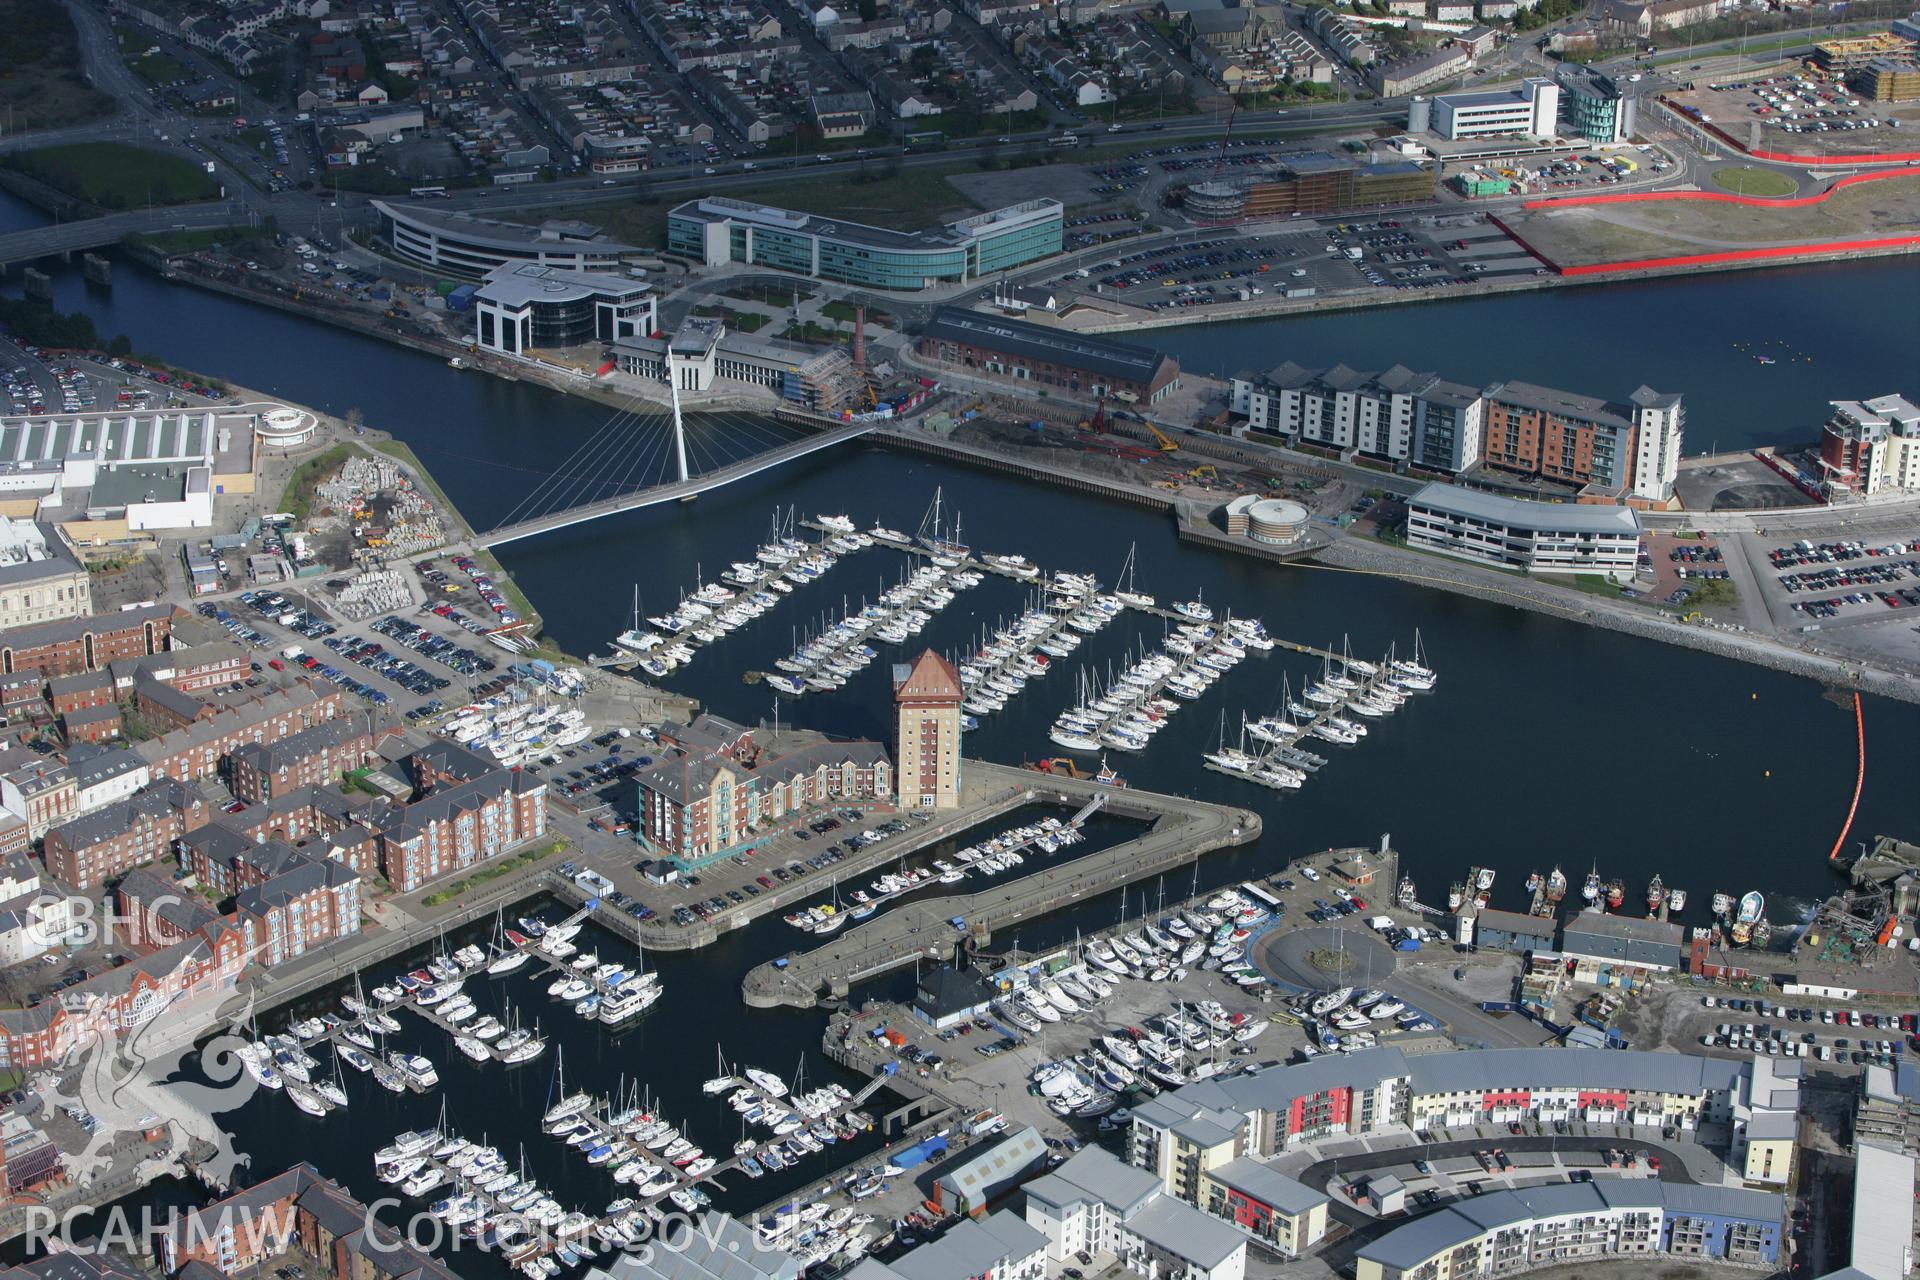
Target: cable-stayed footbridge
644,458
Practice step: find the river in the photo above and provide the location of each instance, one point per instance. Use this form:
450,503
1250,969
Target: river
1546,742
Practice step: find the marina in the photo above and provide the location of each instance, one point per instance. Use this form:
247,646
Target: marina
1181,831
1489,654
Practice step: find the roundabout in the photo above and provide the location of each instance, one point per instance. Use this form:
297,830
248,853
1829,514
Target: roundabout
1323,958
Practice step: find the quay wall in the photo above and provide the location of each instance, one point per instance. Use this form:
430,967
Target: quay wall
1185,830
1524,593
655,935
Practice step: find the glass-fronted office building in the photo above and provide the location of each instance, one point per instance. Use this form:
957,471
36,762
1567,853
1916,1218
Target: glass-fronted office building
717,230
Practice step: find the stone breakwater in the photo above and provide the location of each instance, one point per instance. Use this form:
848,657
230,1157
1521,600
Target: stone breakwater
1524,593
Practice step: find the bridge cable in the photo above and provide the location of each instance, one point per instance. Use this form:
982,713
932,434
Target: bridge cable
527,507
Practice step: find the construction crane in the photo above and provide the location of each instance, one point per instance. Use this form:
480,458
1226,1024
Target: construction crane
1166,442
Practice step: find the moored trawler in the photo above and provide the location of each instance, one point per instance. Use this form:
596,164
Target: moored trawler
1591,890
1656,894
1616,894
1677,901
1556,885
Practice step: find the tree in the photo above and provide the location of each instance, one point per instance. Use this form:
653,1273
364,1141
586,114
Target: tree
121,345
923,61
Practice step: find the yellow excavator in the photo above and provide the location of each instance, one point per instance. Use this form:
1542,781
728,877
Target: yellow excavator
1205,471
1166,442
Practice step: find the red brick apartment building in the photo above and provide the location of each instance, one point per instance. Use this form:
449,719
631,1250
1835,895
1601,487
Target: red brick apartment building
106,844
458,826
86,644
313,757
195,750
206,965
299,1209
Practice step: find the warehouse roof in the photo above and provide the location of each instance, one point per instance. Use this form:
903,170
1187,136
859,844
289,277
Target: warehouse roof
1516,922
1623,938
974,1177
1882,1211
1520,513
1054,346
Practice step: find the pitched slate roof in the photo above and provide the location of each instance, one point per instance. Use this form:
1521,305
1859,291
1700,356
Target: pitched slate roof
928,677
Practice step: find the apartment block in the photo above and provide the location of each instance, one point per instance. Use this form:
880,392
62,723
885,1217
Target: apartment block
1396,415
257,772
196,750
458,818
1869,447
101,846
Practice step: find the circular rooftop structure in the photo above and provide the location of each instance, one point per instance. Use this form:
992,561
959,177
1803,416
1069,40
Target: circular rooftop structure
1276,522
1215,201
281,427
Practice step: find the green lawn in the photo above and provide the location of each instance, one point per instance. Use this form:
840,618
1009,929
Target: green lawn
206,238
115,175
159,68
1744,181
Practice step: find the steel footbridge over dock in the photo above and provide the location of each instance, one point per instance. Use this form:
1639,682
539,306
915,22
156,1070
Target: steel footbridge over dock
685,488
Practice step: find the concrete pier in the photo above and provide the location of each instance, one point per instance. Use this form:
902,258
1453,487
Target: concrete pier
38,284
97,269
1182,831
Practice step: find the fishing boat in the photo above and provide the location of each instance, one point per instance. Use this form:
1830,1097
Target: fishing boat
1656,895
1591,890
1676,901
1197,609
1556,885
1456,894
1753,905
1616,894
